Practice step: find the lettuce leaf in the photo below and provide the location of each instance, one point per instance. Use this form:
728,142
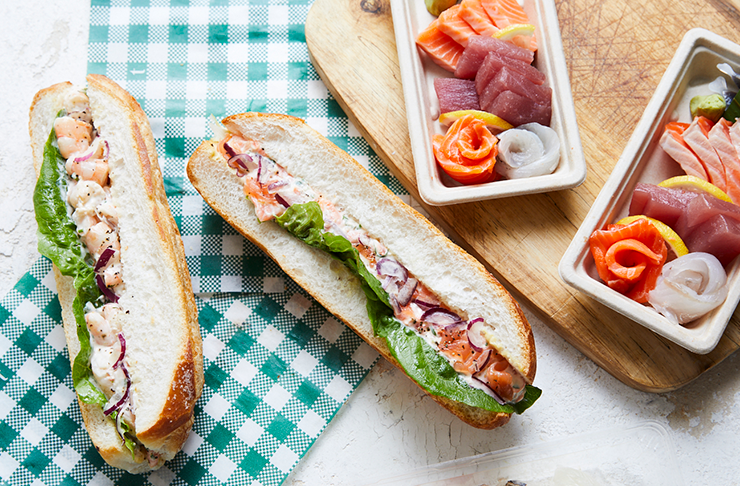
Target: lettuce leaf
418,358
59,242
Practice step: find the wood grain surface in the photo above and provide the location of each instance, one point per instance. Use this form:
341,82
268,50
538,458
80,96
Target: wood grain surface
616,52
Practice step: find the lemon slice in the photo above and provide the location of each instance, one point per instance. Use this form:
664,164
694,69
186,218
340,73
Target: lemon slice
673,241
493,122
695,184
513,30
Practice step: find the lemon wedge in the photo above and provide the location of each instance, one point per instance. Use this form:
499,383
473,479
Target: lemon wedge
496,124
695,184
509,32
674,242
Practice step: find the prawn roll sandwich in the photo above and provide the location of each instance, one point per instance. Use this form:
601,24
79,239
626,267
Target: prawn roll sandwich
127,304
395,279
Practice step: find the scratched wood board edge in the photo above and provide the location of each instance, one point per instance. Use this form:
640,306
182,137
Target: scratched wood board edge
369,18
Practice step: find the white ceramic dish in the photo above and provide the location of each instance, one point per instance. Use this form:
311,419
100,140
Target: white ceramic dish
639,455
693,67
422,109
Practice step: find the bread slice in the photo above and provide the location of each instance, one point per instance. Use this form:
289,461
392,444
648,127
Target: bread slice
459,279
160,322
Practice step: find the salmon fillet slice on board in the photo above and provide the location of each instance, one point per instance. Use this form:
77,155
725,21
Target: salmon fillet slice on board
440,47
455,26
472,12
672,143
505,13
696,138
719,137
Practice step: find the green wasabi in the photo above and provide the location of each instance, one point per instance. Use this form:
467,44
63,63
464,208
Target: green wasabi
710,106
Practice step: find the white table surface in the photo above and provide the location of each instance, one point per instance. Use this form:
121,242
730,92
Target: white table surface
388,426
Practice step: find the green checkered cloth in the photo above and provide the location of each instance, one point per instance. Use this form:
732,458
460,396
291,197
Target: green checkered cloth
278,366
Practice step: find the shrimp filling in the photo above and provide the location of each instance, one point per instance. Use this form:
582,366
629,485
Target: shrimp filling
96,220
465,344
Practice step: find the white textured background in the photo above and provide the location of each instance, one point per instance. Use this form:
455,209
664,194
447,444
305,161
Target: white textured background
388,426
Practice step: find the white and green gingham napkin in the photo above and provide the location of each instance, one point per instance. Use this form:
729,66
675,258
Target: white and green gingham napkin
277,365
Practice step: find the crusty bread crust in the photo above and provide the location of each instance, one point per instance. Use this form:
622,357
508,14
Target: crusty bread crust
181,380
442,266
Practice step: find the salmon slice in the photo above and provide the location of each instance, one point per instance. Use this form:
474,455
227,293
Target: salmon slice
505,13
473,13
455,26
629,258
440,47
672,143
719,137
696,138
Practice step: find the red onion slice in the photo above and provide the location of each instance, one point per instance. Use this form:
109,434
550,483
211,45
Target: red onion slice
406,291
423,304
104,258
387,267
122,340
108,293
441,317
476,339
230,151
123,398
272,188
484,358
106,149
487,390
282,201
243,163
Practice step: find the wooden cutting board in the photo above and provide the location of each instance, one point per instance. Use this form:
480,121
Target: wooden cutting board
616,51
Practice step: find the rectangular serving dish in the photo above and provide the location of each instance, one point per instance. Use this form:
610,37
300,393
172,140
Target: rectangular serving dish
692,68
642,454
422,109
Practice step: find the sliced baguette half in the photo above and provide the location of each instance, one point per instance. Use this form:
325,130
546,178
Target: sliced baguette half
160,319
457,278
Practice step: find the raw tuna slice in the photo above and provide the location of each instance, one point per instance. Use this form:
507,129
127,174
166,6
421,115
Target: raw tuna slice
479,46
456,94
493,64
711,225
660,203
507,80
519,110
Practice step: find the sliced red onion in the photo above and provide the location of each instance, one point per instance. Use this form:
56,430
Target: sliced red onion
441,317
243,163
485,357
106,150
109,294
476,339
123,398
104,258
230,151
424,304
85,155
282,201
387,267
406,291
487,390
394,303
276,185
122,340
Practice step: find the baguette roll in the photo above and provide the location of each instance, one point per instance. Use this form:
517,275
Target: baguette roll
150,303
460,282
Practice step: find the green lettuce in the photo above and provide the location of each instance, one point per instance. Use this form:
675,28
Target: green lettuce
418,358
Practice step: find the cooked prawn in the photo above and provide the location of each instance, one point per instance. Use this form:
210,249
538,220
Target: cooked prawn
73,135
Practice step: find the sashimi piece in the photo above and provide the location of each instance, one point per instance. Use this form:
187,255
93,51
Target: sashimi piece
719,236
472,12
493,64
719,137
519,110
661,203
440,47
707,218
507,80
696,138
455,26
505,13
456,94
478,48
649,255
672,143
